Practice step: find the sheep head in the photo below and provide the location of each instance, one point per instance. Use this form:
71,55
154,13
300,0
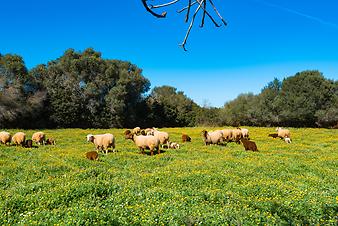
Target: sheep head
90,138
128,134
204,133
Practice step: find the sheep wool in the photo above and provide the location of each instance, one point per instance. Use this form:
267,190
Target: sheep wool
39,137
19,138
102,141
5,137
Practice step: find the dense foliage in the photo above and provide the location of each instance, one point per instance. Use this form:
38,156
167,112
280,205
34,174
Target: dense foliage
305,99
83,90
282,184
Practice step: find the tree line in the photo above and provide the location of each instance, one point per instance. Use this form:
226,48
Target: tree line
83,90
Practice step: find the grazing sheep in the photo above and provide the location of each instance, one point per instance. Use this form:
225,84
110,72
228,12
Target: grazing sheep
92,155
137,130
282,133
28,144
236,135
5,138
19,138
227,134
39,137
215,137
174,145
50,141
102,141
245,132
163,137
149,131
186,138
144,142
287,140
249,145
274,135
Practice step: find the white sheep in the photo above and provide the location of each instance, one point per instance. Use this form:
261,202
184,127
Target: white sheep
174,145
5,137
149,131
102,141
245,132
236,135
215,137
39,137
282,133
137,130
162,136
144,142
19,138
287,140
227,134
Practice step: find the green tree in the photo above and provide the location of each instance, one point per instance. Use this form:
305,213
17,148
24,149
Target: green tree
85,90
302,96
171,107
21,99
241,111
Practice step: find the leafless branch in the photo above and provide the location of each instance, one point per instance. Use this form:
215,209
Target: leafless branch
163,5
202,4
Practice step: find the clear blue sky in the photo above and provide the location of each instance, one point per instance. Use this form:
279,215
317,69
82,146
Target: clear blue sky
264,39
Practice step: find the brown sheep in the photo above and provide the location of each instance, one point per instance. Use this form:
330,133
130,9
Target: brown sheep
186,138
92,155
249,145
50,141
274,135
28,144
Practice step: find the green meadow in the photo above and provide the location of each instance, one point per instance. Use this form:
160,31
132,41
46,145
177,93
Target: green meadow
282,184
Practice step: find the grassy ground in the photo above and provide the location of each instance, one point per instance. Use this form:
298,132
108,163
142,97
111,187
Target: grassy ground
281,184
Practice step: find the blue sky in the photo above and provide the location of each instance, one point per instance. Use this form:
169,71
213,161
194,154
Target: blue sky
264,39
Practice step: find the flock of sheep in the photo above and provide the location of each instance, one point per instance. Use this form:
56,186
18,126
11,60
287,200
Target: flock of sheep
150,138
19,138
153,139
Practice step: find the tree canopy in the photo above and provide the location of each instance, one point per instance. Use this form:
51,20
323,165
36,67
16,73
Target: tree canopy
81,89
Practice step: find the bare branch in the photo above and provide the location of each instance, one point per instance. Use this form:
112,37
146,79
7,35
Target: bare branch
208,14
185,8
204,12
188,12
202,4
152,12
189,29
163,5
219,15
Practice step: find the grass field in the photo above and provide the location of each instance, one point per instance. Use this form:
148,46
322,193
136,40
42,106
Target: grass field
197,185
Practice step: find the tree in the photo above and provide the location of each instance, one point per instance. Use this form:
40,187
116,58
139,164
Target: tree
85,90
201,5
170,107
268,109
302,95
21,99
241,111
328,116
